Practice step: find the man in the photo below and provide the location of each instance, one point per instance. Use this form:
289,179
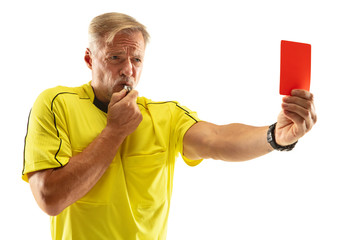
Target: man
100,159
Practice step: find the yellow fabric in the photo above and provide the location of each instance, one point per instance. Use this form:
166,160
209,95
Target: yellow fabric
132,199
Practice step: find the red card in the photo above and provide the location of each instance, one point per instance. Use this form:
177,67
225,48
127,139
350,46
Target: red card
295,66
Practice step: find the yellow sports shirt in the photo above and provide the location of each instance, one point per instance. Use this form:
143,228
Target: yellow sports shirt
131,201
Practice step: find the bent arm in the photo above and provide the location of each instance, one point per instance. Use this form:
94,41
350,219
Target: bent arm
233,142
56,189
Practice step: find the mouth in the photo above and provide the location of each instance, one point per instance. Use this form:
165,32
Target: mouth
128,86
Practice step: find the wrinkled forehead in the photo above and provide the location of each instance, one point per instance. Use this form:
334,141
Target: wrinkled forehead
133,41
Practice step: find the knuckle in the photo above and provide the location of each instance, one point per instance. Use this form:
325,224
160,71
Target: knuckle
311,96
134,93
315,119
308,105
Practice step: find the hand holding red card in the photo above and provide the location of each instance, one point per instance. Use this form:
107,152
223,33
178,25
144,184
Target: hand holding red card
295,66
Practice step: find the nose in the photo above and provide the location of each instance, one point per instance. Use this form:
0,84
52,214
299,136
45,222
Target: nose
127,68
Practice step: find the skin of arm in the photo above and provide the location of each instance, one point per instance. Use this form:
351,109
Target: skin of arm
55,189
232,142
239,142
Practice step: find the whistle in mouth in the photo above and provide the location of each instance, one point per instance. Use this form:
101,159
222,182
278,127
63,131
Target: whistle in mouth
127,88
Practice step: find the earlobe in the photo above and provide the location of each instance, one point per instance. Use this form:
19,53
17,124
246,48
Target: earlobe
88,59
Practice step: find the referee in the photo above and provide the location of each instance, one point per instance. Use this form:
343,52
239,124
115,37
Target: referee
100,160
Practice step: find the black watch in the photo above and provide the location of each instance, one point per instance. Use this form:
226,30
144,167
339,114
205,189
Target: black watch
271,140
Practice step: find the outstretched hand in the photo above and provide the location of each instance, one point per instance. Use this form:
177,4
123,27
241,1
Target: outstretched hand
297,117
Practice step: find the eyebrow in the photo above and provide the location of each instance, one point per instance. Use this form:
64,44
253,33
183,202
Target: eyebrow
117,52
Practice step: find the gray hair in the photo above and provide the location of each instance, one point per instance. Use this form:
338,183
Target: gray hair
107,25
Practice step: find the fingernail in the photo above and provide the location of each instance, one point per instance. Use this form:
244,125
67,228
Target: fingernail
285,105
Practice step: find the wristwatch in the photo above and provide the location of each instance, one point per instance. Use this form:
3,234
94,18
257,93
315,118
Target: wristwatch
271,140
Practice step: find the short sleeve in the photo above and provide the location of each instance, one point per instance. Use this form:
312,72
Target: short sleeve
47,143
184,119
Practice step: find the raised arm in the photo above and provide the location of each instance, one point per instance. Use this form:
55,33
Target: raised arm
55,189
239,142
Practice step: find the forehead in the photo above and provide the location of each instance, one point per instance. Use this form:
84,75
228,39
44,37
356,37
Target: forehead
127,41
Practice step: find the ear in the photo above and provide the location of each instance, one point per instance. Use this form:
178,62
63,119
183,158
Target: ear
88,58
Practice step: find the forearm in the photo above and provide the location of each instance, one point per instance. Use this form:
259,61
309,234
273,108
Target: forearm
233,142
55,189
239,142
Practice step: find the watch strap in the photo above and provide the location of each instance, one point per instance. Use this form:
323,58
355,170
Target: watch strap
271,140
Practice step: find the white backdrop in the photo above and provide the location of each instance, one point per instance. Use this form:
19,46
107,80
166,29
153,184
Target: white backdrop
221,59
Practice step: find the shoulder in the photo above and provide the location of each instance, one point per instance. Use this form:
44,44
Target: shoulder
167,109
51,93
49,96
148,104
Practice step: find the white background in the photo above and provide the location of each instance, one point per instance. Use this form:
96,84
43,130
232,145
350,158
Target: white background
221,59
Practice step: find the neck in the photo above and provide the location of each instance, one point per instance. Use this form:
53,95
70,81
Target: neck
103,106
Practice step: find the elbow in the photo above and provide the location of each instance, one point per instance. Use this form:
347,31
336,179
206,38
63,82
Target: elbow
51,209
46,196
52,212
49,203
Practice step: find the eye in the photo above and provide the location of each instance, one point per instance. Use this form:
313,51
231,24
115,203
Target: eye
137,60
114,59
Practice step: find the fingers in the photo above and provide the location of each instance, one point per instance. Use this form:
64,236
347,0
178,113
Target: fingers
303,102
124,114
123,94
302,94
117,96
299,107
132,95
299,116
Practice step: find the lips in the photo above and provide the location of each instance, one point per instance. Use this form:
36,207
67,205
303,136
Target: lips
125,81
129,85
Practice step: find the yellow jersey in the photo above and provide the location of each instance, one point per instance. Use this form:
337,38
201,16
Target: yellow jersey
131,201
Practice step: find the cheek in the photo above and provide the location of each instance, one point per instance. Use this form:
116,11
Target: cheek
138,73
98,68
104,71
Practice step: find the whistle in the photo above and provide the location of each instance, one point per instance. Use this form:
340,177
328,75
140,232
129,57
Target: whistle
127,88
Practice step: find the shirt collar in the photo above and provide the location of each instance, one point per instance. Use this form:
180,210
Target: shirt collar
100,105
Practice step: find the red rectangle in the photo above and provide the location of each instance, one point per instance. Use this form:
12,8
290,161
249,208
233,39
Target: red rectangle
295,66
